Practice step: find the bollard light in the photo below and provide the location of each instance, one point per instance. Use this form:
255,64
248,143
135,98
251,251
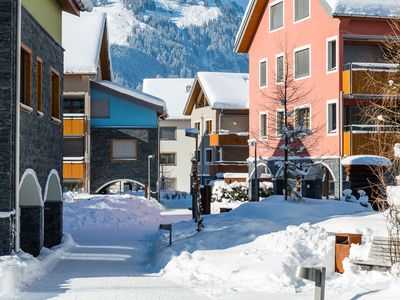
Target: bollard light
316,275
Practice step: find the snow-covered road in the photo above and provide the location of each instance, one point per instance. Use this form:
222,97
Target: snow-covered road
110,264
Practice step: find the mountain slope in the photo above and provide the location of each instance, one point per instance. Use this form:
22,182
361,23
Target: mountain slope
172,38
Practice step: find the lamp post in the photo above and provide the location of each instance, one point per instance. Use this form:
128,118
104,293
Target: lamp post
149,158
253,142
196,199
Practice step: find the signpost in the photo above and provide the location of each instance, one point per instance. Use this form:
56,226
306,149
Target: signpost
314,274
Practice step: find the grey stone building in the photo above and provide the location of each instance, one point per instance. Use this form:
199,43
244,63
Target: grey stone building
124,133
31,60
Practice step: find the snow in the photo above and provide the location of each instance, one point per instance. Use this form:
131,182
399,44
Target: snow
77,31
6,214
134,93
85,5
368,160
174,91
232,175
225,90
122,22
393,195
373,8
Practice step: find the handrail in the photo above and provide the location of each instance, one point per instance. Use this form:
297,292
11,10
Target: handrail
382,67
375,128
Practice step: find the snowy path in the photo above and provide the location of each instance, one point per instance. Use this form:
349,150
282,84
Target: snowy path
109,265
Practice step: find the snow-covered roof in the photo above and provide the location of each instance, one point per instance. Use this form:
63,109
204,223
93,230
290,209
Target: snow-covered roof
365,8
174,91
366,160
222,90
136,95
84,5
82,38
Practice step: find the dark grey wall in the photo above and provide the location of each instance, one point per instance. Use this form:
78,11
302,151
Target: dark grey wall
8,45
41,139
103,169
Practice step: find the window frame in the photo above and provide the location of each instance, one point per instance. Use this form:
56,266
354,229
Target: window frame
207,131
26,103
197,127
276,68
328,103
300,108
175,135
208,162
261,114
298,49
169,163
294,12
283,15
278,134
124,159
328,40
57,117
263,60
39,85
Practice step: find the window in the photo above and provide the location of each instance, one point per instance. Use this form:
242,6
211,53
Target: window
169,183
332,117
74,105
208,155
331,55
197,125
168,133
263,73
208,126
280,68
198,155
302,63
100,109
276,16
55,95
280,122
26,76
39,89
302,120
263,125
168,158
124,150
74,147
301,9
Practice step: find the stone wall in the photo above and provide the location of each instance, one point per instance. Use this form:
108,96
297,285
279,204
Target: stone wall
103,169
8,58
41,138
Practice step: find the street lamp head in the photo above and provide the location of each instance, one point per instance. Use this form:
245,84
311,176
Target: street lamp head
151,156
252,142
192,132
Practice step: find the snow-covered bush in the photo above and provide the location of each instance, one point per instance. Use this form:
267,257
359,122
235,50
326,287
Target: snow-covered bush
266,189
363,199
236,191
348,196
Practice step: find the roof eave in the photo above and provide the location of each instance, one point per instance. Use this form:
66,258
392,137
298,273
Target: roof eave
343,15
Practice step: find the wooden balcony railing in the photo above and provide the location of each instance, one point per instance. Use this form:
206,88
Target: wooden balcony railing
74,126
370,140
74,170
228,139
228,167
370,80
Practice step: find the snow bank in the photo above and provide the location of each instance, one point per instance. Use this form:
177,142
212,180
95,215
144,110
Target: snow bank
367,160
111,212
20,269
257,246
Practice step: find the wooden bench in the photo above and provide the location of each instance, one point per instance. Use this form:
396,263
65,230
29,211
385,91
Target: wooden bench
167,227
382,254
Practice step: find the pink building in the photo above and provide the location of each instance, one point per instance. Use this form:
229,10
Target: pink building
327,47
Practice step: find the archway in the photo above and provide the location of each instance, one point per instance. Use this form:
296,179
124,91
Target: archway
31,206
320,181
53,211
119,186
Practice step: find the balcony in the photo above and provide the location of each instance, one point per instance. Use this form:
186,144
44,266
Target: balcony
370,140
223,138
73,169
228,167
74,126
366,80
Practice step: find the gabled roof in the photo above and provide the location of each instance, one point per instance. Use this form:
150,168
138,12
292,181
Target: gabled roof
221,90
76,6
85,40
131,95
336,8
174,91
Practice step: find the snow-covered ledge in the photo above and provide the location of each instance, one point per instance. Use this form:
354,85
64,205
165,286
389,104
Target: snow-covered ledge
366,160
7,214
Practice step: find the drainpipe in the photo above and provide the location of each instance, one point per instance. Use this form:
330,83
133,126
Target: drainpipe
341,132
17,130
